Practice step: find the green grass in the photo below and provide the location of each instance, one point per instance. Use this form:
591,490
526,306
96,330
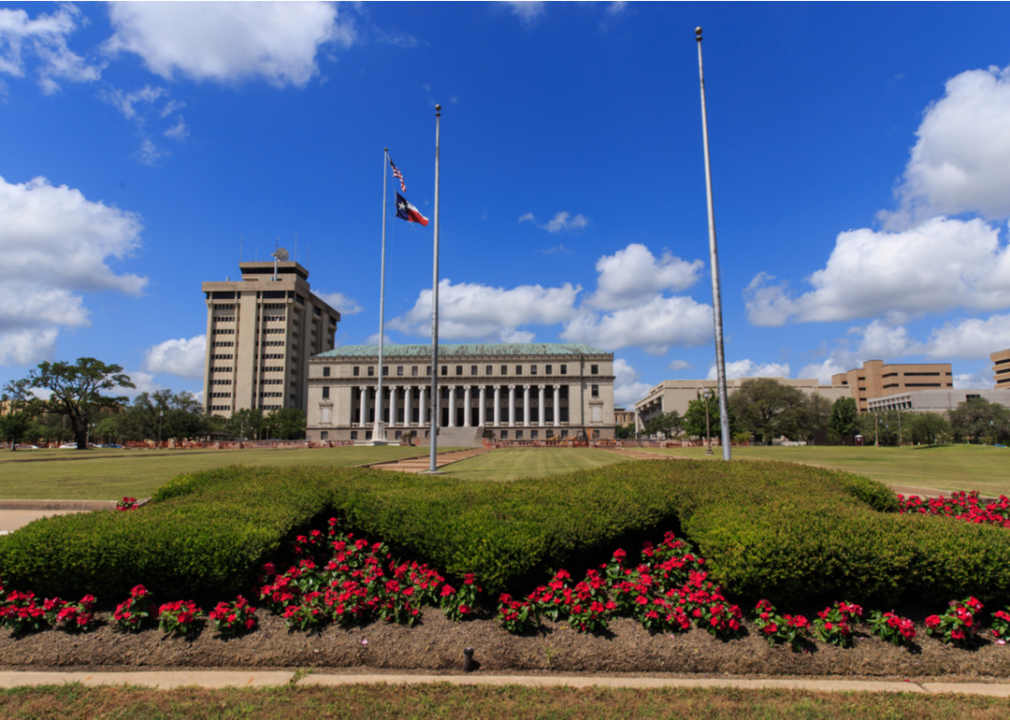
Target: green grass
514,463
94,475
945,467
362,702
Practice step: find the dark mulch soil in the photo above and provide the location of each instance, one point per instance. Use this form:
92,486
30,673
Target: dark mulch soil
435,645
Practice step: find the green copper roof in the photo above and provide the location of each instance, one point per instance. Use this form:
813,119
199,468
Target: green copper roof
465,350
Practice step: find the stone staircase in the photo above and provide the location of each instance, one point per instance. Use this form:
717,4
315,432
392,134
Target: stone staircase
423,463
457,437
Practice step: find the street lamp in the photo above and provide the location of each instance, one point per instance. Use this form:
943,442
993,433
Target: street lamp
708,427
161,417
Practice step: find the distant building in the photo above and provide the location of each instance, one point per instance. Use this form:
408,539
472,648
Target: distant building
936,401
622,416
676,395
261,331
518,391
875,380
1001,368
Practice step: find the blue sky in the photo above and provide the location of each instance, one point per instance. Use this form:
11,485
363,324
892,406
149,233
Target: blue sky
861,163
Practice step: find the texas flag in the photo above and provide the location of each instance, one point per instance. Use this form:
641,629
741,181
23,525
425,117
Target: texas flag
408,212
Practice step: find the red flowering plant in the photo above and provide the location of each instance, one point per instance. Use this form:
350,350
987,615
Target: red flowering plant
350,602
672,562
179,617
127,503
705,604
775,628
459,604
22,613
1001,626
962,505
550,598
395,604
957,626
306,613
233,618
132,614
517,616
666,614
588,606
71,616
892,628
834,624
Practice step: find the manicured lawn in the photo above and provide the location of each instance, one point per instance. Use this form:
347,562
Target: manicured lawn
946,467
111,474
426,701
512,463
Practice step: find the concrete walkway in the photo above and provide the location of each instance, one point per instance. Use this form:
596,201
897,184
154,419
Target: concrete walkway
422,464
16,514
213,679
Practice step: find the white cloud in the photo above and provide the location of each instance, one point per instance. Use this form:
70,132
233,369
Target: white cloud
475,311
179,131
982,379
526,10
182,357
511,335
55,244
616,7
970,339
145,382
838,360
149,154
749,369
340,302
373,339
961,160
652,326
46,38
126,102
679,365
632,275
885,342
561,221
627,388
937,266
229,42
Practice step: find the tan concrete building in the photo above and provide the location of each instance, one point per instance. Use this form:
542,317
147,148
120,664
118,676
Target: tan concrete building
623,417
261,332
935,401
672,395
1001,368
520,391
875,379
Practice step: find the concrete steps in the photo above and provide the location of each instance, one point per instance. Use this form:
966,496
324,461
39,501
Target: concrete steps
422,464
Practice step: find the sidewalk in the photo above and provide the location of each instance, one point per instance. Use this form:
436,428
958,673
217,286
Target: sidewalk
166,680
16,514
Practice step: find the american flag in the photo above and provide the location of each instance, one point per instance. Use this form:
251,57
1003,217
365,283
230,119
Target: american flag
398,175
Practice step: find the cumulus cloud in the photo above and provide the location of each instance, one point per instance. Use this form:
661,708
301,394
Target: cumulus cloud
982,379
150,154
229,42
527,10
511,335
961,159
340,302
653,326
970,339
182,357
145,382
475,311
55,244
126,102
45,38
179,131
633,274
936,266
561,221
373,339
839,360
885,342
679,365
627,388
750,369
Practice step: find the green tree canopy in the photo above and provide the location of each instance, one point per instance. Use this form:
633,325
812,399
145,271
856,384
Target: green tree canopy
929,428
668,424
161,414
843,416
694,419
769,409
19,408
978,420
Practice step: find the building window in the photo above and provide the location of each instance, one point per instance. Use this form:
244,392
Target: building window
534,434
324,435
595,392
326,393
519,434
504,369
504,434
385,370
519,369
371,370
399,370
533,369
564,369
326,371
354,434
473,369
594,369
459,369
549,369
413,370
445,369
355,371
564,433
488,369
428,371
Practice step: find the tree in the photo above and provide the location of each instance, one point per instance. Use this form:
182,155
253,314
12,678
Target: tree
929,428
977,418
285,424
162,414
624,432
694,419
843,416
245,423
888,427
76,391
17,410
818,416
666,424
770,409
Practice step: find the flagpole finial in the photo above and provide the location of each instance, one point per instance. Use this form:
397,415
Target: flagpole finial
438,109
697,31
386,149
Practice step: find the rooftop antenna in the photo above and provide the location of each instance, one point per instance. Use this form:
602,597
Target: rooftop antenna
279,255
240,238
296,247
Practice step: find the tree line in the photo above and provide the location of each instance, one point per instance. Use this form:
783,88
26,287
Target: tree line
63,401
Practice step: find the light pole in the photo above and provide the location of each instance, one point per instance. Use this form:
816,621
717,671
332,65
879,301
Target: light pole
161,417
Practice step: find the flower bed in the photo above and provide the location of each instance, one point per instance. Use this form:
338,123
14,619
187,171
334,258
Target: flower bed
967,506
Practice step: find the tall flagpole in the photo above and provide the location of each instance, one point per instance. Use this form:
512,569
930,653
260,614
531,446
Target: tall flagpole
379,429
720,359
436,410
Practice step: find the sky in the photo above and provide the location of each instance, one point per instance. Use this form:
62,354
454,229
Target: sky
860,161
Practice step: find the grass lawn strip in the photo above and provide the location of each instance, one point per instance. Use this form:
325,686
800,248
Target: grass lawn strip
515,463
425,701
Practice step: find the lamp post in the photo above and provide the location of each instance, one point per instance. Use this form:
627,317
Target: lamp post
161,417
708,426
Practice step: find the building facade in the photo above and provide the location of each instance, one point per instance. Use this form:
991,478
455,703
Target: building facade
261,332
1001,368
875,379
519,391
672,395
935,401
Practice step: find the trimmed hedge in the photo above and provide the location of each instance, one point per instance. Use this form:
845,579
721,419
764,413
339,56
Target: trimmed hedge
788,532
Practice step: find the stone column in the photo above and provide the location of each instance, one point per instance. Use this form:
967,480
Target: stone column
497,405
423,411
483,405
452,406
540,406
526,405
557,406
408,397
364,406
466,406
392,407
512,405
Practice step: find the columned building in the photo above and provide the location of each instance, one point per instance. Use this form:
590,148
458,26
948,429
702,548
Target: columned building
518,391
261,331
